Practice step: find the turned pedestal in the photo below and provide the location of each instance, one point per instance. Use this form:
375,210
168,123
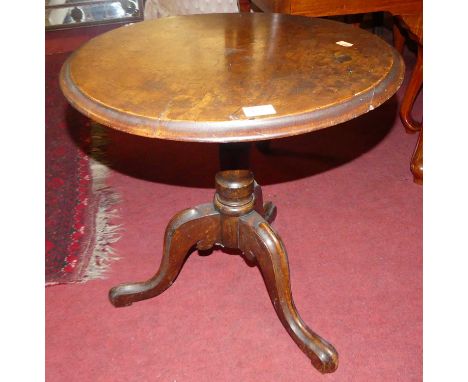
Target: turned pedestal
237,218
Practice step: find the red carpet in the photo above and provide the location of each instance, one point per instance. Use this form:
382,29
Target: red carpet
78,204
351,219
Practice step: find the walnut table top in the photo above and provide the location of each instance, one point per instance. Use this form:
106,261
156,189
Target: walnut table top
196,78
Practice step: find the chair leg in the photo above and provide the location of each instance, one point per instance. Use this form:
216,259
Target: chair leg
414,86
417,160
410,124
398,38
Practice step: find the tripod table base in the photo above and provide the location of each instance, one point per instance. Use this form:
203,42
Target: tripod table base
237,218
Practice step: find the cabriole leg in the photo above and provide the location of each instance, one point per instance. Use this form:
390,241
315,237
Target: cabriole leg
195,226
260,240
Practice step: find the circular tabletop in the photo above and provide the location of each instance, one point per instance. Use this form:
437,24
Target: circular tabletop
230,77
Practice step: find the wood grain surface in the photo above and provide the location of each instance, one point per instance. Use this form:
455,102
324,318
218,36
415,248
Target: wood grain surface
188,78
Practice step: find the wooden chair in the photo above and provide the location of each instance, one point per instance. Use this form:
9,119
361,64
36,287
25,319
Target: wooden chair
413,24
408,15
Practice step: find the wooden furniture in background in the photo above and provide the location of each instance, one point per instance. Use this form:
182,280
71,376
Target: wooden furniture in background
408,12
320,8
413,24
195,86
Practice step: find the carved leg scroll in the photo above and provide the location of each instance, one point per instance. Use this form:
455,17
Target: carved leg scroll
200,226
259,239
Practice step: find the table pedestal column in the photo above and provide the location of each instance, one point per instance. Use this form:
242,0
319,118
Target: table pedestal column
237,218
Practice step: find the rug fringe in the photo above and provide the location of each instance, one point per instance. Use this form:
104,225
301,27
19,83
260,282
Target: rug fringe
106,233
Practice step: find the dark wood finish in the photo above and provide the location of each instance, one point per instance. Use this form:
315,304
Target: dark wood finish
334,7
234,156
275,6
244,5
192,86
414,86
398,38
320,8
187,78
232,221
417,160
414,26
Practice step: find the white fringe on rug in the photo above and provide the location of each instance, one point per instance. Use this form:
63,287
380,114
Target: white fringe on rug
105,233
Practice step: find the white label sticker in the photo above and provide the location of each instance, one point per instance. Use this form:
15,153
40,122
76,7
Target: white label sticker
344,43
255,111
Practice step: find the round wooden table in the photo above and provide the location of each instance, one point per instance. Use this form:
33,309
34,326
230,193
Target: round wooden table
231,79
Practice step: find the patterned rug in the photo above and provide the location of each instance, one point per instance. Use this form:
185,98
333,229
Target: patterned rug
78,205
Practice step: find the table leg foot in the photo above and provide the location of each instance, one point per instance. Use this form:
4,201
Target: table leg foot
417,160
195,226
261,241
